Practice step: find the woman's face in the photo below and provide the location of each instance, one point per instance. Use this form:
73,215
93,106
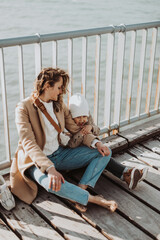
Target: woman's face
52,93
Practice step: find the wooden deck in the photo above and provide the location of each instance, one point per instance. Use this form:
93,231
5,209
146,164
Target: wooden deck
138,213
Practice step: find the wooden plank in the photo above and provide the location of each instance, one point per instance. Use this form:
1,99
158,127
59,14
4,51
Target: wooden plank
142,132
6,233
148,157
28,224
115,225
153,175
116,143
158,138
153,145
66,220
144,217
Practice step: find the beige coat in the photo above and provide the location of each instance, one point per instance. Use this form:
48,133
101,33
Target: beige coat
30,128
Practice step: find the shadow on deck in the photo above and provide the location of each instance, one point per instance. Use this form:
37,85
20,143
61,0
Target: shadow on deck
138,213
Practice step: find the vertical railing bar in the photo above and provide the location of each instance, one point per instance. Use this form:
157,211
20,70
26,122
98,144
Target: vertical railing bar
141,71
108,79
97,75
156,104
38,56
84,65
21,72
157,95
151,69
70,66
54,53
4,164
130,74
5,107
119,77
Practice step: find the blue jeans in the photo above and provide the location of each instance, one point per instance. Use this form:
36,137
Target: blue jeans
69,159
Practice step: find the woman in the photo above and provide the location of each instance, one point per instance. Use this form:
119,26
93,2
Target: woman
39,156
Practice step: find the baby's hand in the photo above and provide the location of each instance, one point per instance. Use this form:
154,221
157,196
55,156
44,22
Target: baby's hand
86,129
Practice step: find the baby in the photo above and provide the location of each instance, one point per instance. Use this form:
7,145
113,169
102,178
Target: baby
88,135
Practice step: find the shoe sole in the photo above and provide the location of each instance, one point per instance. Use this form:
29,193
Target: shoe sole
135,177
145,171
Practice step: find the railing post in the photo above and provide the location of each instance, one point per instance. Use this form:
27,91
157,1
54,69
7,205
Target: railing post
70,66
97,75
130,75
156,104
84,65
38,56
119,76
21,72
141,72
151,68
5,107
108,79
54,53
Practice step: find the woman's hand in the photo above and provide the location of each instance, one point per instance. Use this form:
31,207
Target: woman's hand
103,149
86,129
55,179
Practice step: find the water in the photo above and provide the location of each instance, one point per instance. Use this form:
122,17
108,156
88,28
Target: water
26,17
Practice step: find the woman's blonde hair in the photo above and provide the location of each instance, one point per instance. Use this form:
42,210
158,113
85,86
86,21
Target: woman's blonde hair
51,76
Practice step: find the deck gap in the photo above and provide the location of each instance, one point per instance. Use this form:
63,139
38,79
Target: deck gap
2,216
72,207
157,138
134,155
123,137
122,214
51,224
152,185
141,144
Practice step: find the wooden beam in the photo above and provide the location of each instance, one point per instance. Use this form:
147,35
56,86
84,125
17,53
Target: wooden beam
6,233
142,132
146,156
28,224
116,143
67,221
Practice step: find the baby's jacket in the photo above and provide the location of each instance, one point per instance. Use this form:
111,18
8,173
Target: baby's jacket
77,139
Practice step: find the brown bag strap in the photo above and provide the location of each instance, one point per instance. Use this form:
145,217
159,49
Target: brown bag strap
43,109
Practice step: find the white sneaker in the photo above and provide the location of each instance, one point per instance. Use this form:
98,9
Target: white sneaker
6,197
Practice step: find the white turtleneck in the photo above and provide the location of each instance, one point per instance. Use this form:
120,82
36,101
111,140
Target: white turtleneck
51,144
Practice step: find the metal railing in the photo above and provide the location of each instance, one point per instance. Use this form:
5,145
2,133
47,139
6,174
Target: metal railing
110,97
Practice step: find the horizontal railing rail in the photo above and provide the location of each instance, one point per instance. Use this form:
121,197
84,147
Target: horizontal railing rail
8,42
126,80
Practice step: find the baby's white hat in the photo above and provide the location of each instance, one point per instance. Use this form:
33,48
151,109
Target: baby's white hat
78,105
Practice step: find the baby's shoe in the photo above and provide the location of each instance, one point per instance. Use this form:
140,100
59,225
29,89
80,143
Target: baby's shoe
132,177
6,197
